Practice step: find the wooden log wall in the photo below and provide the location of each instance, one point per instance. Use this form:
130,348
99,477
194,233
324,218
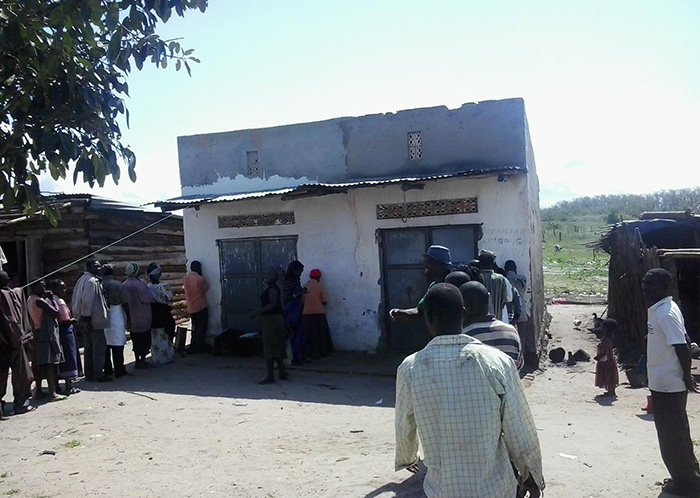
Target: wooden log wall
82,230
163,244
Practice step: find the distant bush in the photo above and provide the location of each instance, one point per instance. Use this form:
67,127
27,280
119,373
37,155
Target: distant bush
628,206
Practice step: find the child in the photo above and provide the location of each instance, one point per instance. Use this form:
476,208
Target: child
318,337
69,368
606,375
47,347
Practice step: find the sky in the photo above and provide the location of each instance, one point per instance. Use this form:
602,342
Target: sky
611,89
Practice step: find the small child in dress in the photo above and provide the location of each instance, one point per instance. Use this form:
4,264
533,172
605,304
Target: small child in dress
606,374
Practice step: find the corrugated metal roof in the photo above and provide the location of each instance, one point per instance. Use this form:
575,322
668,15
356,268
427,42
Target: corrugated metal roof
318,189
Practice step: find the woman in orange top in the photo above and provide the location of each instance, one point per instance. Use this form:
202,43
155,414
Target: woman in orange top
318,337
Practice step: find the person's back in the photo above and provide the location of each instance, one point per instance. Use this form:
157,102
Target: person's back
464,400
195,289
137,298
498,334
459,388
315,299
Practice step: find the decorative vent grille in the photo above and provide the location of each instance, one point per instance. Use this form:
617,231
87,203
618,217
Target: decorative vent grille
257,220
253,163
427,208
415,146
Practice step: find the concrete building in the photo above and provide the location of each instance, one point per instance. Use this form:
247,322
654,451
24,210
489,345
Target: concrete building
362,198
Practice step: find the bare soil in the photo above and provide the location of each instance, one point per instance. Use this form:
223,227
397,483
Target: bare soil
204,427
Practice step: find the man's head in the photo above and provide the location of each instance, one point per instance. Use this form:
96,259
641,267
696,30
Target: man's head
437,262
656,285
315,274
92,266
510,266
476,299
487,260
196,266
457,278
443,309
108,269
4,279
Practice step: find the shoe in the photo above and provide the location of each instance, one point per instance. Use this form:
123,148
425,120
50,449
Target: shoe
267,380
147,365
124,374
650,406
104,378
676,489
19,410
284,376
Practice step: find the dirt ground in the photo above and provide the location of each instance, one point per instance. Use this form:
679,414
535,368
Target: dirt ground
204,427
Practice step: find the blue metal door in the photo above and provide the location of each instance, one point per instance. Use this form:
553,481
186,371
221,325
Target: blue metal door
404,280
243,263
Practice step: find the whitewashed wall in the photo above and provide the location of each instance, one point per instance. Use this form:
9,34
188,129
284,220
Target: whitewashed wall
337,233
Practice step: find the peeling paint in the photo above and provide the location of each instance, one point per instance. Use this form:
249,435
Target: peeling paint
241,184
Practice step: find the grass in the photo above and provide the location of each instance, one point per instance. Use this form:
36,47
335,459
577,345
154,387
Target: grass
4,475
575,269
74,443
11,492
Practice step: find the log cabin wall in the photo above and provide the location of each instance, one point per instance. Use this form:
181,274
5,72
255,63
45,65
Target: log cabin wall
84,228
163,243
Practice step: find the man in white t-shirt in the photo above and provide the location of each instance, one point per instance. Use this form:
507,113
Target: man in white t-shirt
668,365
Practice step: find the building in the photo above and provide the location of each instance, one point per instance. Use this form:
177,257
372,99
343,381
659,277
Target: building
34,248
362,198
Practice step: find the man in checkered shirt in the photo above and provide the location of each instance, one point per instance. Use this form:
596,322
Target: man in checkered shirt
464,401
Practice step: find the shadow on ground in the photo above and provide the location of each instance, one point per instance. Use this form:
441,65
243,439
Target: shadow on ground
344,379
410,488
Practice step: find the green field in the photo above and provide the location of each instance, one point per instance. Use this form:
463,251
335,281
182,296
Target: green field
575,270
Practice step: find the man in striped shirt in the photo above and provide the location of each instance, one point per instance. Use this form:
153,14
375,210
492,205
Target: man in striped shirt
481,325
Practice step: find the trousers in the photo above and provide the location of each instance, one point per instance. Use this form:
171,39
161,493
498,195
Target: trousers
673,431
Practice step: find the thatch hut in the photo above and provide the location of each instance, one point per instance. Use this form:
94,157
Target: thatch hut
669,240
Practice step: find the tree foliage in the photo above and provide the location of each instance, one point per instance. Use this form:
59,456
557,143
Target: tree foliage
63,78
627,206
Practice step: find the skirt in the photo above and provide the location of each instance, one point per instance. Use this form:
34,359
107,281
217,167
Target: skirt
68,368
274,337
162,350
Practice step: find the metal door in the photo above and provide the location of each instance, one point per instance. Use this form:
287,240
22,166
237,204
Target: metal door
243,263
405,283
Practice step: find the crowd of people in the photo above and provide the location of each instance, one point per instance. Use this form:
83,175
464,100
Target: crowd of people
39,334
294,313
462,390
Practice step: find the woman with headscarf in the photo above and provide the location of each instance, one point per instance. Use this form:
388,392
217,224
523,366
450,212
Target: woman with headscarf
136,300
318,337
163,324
292,293
274,331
